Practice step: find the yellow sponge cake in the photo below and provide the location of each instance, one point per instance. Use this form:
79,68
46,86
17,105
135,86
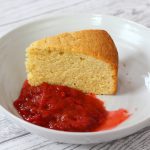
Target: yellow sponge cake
86,60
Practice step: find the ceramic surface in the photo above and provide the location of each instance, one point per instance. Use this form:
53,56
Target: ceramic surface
132,41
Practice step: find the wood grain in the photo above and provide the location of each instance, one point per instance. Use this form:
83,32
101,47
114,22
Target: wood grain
16,12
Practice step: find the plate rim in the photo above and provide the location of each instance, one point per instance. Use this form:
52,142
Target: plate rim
42,18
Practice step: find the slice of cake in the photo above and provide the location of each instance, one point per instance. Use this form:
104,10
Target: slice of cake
86,60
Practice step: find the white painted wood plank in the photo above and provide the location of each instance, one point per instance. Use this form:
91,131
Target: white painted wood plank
16,12
19,10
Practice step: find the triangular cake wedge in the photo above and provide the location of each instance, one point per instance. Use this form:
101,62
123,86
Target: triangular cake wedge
86,60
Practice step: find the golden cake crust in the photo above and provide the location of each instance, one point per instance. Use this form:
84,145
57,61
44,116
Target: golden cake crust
96,43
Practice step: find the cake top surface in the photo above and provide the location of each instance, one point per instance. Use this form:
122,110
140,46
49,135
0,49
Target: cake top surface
95,43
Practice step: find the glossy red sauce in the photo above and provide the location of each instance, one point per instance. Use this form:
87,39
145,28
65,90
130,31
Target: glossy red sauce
63,108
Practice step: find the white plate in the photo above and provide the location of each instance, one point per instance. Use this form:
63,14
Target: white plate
133,43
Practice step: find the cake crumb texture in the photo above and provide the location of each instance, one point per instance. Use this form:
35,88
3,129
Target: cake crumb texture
86,60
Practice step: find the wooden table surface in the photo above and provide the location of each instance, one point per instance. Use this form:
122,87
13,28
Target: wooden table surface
16,12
